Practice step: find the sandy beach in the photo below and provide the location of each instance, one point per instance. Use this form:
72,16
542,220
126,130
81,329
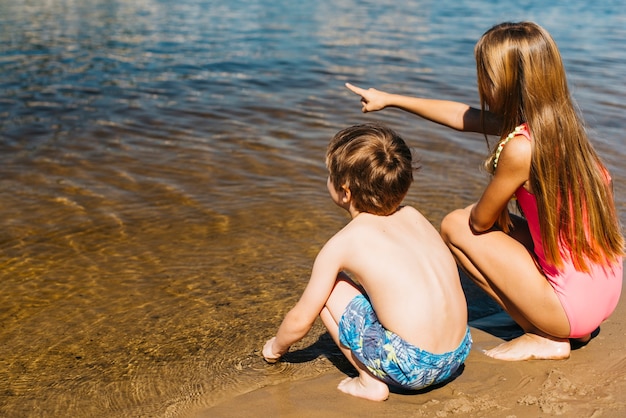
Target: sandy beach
591,383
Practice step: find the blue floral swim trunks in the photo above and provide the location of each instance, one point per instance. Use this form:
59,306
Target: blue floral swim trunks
388,357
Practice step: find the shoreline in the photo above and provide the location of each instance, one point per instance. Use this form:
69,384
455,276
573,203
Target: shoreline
591,383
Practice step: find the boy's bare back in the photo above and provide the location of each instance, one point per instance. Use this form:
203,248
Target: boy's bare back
409,275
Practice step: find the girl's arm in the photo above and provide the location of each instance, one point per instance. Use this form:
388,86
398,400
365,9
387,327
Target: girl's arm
512,172
452,114
301,317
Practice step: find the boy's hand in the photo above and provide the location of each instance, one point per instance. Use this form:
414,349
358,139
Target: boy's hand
371,99
268,353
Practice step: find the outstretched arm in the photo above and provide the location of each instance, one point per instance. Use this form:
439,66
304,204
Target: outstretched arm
452,114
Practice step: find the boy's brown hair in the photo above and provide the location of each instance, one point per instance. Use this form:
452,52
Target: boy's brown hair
373,162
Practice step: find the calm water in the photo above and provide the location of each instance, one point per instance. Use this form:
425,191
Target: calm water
163,187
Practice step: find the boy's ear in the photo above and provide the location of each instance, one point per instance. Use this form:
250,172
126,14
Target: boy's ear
347,194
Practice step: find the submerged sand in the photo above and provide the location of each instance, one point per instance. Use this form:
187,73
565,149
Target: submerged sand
591,383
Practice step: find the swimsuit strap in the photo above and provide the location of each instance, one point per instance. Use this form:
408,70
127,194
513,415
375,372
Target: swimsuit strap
503,143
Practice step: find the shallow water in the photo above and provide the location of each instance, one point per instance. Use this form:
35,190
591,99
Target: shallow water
163,185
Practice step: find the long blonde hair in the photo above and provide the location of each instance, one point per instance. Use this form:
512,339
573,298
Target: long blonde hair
521,78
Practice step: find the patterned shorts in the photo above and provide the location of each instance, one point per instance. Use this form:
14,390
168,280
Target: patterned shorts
389,357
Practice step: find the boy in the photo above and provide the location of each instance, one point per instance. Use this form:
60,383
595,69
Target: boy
408,293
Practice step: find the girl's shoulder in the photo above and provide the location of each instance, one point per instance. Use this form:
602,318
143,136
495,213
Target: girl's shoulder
516,156
520,132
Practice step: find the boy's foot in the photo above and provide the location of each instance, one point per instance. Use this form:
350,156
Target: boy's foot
371,389
531,346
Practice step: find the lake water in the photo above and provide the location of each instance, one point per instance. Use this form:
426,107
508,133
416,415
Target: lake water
163,182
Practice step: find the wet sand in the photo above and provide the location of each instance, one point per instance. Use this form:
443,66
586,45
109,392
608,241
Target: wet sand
591,383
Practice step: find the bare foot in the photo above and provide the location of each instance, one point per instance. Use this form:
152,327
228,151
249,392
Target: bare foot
531,346
367,388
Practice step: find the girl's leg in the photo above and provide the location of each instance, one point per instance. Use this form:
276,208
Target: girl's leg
504,268
364,385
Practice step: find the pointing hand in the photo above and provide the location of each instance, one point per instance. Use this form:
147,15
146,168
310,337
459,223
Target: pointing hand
371,99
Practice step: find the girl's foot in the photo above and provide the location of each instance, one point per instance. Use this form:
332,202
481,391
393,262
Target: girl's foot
531,346
367,388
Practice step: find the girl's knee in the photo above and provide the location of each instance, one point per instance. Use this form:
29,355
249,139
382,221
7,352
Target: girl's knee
454,225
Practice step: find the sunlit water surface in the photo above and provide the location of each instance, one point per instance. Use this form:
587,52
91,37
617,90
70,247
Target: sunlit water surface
163,184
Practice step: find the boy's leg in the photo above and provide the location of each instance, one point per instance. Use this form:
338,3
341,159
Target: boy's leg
365,385
506,270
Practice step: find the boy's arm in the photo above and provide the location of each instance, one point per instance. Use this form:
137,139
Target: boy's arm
301,317
452,114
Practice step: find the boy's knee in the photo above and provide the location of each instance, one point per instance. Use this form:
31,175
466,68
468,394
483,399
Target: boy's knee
343,292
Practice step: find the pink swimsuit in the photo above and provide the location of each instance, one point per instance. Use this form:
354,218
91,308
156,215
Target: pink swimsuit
587,298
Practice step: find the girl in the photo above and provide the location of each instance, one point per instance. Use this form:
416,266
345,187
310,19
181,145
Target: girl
558,270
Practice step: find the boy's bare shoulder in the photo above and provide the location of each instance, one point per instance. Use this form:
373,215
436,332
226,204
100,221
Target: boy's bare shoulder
411,211
411,214
369,225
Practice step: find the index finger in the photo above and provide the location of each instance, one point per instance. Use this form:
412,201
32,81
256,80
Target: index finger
355,89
